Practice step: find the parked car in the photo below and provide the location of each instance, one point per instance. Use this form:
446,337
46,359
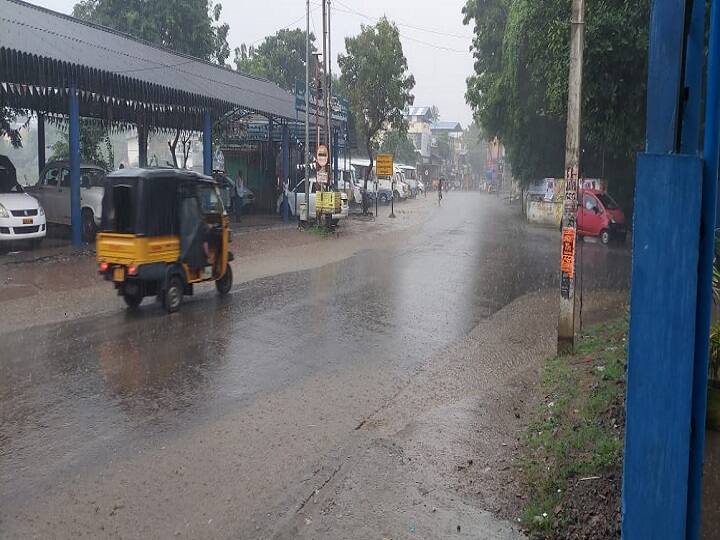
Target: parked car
53,192
296,197
228,188
599,215
21,216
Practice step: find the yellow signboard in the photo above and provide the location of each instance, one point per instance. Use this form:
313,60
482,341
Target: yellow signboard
384,165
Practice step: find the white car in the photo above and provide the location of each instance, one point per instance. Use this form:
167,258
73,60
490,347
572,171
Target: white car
53,192
21,216
297,196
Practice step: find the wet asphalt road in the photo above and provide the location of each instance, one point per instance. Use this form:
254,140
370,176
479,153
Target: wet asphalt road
94,409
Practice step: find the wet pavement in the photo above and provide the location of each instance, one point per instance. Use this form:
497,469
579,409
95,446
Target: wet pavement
209,422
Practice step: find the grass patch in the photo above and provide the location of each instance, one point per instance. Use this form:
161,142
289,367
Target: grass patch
319,230
578,430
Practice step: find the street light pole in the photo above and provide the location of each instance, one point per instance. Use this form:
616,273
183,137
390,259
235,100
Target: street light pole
566,323
307,110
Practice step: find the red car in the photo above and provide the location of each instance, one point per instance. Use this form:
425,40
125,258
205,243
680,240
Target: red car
599,215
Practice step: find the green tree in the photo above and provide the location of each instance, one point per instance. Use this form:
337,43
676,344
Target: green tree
9,127
95,145
519,88
399,144
186,26
280,58
374,73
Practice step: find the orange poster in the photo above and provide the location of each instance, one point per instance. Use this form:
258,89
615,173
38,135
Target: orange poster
567,260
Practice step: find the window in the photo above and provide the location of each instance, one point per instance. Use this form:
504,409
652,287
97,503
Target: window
91,177
65,181
209,200
589,202
51,177
607,201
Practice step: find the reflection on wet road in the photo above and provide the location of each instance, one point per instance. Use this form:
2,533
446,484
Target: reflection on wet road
77,395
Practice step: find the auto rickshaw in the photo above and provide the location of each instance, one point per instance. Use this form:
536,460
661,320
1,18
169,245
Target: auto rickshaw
163,231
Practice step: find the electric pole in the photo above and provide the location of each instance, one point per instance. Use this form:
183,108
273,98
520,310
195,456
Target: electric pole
328,91
566,323
307,110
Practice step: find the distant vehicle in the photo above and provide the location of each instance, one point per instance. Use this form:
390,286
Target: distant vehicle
21,216
296,197
53,192
599,215
228,188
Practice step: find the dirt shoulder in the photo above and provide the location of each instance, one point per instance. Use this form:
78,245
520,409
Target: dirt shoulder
439,459
59,284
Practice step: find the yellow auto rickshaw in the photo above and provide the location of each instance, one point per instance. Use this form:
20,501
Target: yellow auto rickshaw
163,231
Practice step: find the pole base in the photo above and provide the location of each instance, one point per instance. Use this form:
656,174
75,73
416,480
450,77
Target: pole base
392,215
565,345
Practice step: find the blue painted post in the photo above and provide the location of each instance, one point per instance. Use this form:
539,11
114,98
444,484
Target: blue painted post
41,142
207,144
285,170
75,216
705,270
664,295
667,27
660,353
694,61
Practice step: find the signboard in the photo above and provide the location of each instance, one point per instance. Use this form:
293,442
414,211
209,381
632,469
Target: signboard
322,177
384,165
322,155
567,260
340,107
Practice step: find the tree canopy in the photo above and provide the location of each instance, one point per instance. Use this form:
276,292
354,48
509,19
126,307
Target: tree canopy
374,74
519,88
186,26
280,58
399,144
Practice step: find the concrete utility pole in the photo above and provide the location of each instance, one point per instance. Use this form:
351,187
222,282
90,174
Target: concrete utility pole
566,324
328,87
307,109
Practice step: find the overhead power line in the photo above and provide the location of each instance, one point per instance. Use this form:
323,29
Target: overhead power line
352,11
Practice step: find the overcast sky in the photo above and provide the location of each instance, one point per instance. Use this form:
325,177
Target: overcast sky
433,38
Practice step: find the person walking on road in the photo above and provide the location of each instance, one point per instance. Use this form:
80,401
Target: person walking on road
239,192
440,188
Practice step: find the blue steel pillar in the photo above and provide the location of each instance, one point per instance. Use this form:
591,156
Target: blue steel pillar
74,128
705,271
41,142
666,242
285,170
207,144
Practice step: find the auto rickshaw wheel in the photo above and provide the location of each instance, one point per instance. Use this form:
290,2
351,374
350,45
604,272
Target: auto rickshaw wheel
173,294
224,284
133,299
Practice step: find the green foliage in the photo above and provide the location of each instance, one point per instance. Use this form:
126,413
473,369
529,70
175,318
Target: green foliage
571,435
186,26
397,143
476,143
95,145
9,127
519,89
280,58
374,74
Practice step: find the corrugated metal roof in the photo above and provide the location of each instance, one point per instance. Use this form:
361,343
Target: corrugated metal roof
418,111
38,31
446,126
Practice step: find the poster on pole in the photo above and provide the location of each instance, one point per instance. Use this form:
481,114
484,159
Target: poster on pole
567,260
384,165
